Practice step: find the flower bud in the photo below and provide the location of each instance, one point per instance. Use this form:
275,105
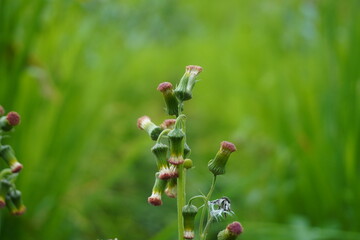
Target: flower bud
217,165
9,121
176,137
165,171
8,155
14,203
231,232
171,190
4,189
158,189
2,110
188,163
168,124
145,123
183,91
187,150
189,212
172,104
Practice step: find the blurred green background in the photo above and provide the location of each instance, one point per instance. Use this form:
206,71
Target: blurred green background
281,79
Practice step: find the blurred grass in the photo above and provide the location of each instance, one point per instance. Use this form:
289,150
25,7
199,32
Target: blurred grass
281,80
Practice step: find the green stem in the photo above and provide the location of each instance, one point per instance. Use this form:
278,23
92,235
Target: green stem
205,209
204,235
180,200
161,134
195,197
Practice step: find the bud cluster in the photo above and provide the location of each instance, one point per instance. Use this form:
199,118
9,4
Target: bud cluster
172,152
9,195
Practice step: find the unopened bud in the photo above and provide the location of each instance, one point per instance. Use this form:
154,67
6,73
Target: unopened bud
168,124
145,123
9,121
2,110
165,171
7,153
176,137
217,165
188,163
183,90
171,189
4,189
158,189
14,203
231,232
172,104
189,212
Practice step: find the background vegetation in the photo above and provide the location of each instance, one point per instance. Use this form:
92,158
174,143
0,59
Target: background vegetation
281,80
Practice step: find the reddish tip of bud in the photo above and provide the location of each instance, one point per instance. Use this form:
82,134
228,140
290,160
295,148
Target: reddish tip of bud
2,110
16,168
2,203
154,201
228,146
168,123
194,68
141,120
171,193
20,211
13,118
235,228
164,86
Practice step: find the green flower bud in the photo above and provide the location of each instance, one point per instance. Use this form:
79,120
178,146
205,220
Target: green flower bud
176,137
145,123
189,212
158,189
9,121
4,189
171,189
165,171
183,91
7,153
217,165
187,150
188,163
14,203
172,104
231,232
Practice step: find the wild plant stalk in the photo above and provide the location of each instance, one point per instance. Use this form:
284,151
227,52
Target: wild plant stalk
172,158
9,195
